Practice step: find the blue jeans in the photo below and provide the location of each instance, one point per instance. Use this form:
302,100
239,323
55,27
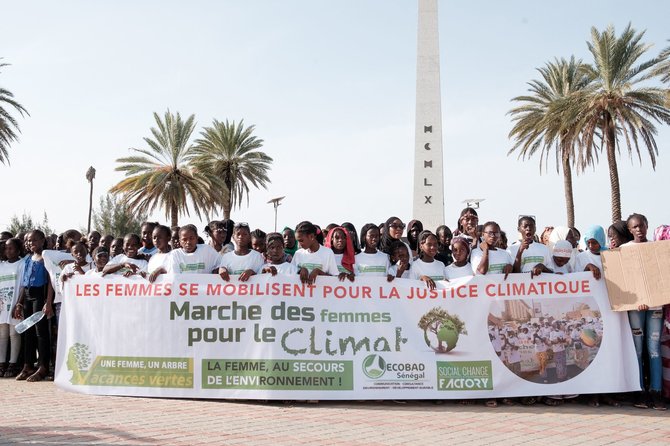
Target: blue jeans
646,327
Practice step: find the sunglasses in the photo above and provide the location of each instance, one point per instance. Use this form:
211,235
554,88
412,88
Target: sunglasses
397,226
241,225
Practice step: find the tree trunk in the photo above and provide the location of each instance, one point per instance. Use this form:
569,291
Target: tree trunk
90,208
567,183
227,203
610,142
174,215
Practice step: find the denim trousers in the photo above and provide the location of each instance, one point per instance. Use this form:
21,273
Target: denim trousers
646,327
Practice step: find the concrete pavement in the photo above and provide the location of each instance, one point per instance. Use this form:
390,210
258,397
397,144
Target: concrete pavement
39,413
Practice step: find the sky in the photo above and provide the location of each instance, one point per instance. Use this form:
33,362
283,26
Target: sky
330,88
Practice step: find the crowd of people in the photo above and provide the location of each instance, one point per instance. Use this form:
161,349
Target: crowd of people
547,344
37,265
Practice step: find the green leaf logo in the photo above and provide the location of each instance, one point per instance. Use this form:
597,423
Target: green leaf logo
374,366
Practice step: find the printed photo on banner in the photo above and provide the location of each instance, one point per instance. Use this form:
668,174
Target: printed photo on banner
546,342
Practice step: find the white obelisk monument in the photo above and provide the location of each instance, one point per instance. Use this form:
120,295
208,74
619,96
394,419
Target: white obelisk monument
428,204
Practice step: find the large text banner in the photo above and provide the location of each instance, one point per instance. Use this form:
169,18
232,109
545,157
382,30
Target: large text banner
275,338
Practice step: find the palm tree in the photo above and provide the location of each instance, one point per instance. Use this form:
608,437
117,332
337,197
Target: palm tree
664,68
8,125
231,152
539,128
163,175
616,104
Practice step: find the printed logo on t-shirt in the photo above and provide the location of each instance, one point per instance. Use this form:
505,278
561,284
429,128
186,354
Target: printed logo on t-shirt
311,266
497,268
186,267
532,259
371,269
7,293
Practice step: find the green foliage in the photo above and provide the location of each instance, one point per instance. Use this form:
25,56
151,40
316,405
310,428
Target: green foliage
8,124
436,317
116,218
578,109
231,153
620,106
538,125
162,175
25,223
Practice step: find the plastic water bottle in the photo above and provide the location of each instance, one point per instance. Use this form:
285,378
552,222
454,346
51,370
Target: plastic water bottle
27,323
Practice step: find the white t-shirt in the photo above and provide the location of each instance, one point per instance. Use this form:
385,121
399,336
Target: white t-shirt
52,260
10,284
586,257
514,354
203,260
434,270
565,269
340,268
497,344
371,265
454,272
535,254
393,271
497,260
323,259
159,260
284,268
94,272
225,249
557,336
122,258
236,264
69,269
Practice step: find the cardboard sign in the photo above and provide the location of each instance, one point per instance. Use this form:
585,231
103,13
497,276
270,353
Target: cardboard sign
638,274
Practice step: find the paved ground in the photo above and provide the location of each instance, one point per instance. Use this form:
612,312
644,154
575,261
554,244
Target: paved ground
38,413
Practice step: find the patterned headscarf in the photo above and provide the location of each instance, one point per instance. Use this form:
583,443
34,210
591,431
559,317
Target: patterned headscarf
662,233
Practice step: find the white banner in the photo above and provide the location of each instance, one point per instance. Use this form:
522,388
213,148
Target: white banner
197,336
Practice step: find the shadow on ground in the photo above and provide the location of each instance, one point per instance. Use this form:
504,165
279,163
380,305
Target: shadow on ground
576,407
51,435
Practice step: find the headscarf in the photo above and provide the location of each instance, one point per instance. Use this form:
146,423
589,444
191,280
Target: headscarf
354,235
596,233
409,239
348,256
547,230
662,233
463,240
622,231
287,250
230,225
562,248
559,233
386,241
